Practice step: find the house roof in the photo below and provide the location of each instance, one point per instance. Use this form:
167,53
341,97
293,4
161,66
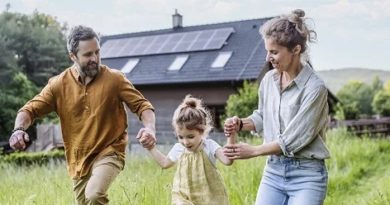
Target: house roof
246,62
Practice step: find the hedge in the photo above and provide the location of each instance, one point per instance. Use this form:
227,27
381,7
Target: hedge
33,158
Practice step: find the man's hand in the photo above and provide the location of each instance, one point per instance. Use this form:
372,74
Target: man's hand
147,138
18,140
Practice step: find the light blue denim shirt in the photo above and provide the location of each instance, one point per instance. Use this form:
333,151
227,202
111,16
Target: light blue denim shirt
296,117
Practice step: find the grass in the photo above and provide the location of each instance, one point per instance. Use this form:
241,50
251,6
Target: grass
359,174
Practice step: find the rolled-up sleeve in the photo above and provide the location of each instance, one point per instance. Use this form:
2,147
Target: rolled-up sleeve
307,123
136,102
41,104
257,115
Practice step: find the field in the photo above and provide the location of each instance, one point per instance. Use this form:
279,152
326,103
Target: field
359,174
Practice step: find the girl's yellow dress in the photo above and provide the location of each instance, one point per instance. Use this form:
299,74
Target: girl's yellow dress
197,181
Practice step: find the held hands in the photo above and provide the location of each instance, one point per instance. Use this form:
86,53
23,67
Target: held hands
18,140
239,151
231,126
147,138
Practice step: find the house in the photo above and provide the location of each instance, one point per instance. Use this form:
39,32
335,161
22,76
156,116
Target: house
208,61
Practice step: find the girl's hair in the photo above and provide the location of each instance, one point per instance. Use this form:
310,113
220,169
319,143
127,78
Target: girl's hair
192,115
289,30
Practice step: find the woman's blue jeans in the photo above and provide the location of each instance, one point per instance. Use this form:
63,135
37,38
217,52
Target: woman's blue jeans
292,181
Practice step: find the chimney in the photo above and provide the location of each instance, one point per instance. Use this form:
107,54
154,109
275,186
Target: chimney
177,20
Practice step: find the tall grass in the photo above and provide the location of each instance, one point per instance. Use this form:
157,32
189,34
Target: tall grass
359,174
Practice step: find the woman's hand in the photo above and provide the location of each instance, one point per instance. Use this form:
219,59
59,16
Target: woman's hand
240,151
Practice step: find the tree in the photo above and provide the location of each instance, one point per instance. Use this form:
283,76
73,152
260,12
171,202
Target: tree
355,94
32,49
381,101
12,97
376,84
8,64
37,43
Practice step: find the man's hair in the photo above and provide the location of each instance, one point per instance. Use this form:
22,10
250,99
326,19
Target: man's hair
77,34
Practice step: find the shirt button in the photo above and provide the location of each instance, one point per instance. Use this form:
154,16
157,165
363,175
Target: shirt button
86,107
86,93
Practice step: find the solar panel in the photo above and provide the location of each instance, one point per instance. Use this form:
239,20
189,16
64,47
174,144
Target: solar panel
167,43
172,41
156,46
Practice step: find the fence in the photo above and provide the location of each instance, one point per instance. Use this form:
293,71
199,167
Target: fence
49,137
379,127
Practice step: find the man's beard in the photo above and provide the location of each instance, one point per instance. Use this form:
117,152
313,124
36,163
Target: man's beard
91,69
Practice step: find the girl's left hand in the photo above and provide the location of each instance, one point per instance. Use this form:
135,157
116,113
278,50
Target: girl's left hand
239,151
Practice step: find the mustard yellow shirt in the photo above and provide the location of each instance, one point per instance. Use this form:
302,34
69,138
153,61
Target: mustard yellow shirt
93,118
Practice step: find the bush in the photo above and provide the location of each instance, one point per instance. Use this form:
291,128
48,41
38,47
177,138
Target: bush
347,111
381,101
356,98
32,158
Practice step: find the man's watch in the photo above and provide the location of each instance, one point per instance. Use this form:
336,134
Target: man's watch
18,128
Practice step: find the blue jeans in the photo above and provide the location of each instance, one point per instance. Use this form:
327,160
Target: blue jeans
291,181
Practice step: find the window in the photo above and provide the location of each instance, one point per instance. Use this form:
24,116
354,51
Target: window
178,63
222,59
130,65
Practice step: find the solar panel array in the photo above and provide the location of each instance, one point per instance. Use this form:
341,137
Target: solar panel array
166,43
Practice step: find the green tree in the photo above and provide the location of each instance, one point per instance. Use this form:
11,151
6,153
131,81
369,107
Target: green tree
12,97
8,64
32,49
244,102
356,98
376,84
381,101
36,42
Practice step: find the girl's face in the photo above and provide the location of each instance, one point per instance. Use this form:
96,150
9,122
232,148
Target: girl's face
279,56
190,139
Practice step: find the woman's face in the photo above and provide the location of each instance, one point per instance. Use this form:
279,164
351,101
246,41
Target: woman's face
279,56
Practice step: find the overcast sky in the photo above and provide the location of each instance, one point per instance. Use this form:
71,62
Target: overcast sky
351,33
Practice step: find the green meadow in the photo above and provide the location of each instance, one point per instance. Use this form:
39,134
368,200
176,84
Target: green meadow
359,174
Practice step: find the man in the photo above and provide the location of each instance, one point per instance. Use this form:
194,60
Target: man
88,98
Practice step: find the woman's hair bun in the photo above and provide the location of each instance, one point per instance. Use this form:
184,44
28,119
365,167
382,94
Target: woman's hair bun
299,12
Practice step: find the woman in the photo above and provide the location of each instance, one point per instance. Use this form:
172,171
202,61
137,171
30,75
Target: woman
292,114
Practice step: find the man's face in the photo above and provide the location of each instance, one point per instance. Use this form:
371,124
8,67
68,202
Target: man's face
88,57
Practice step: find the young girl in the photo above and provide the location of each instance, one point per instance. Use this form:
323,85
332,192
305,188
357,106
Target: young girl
196,181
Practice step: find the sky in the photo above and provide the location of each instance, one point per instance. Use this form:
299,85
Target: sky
350,33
